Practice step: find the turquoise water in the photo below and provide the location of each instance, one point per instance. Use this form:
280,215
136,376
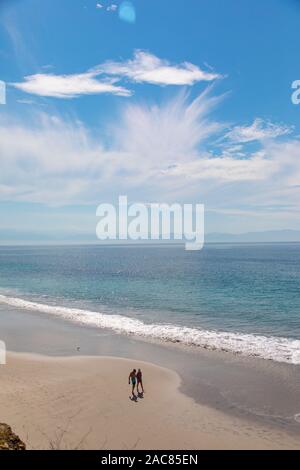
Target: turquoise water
244,298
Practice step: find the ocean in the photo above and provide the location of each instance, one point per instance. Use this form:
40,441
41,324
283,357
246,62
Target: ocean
243,298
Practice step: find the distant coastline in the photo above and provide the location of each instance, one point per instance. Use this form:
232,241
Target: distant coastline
18,238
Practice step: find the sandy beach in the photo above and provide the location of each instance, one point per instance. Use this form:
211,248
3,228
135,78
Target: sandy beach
84,403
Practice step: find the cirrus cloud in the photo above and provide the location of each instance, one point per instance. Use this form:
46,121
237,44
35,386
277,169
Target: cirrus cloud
69,86
258,130
147,68
106,78
158,149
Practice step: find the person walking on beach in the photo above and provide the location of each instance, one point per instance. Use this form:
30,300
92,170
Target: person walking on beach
132,379
139,378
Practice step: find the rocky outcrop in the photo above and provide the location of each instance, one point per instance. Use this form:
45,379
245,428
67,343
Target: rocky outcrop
9,440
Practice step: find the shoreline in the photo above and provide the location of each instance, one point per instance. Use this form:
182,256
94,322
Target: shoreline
261,392
83,402
276,348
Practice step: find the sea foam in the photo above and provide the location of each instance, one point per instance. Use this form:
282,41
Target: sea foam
267,347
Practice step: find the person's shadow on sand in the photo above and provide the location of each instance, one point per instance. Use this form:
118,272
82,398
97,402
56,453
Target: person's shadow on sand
133,398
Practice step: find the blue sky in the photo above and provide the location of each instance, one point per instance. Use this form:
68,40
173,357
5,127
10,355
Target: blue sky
191,102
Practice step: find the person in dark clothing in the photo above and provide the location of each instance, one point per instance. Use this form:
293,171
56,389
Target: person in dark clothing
139,378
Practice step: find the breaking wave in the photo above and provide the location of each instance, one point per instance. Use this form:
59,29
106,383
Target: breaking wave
273,348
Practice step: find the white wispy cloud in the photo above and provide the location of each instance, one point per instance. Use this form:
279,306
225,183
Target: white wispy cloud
106,78
147,68
258,130
112,7
24,101
224,169
169,132
153,150
69,86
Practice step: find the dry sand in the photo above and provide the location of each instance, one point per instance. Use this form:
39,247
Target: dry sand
83,402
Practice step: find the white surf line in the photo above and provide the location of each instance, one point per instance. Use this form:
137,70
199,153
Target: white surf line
278,349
